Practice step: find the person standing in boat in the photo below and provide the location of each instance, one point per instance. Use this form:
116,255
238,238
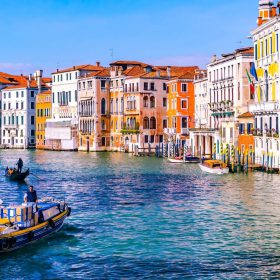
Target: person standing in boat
20,165
31,196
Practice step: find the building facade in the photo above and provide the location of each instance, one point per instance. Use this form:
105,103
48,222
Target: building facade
62,128
43,113
265,106
94,122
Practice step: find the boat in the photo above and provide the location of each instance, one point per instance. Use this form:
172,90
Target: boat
27,223
188,159
13,175
214,167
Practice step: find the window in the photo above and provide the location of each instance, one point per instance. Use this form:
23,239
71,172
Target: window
76,96
164,87
22,120
146,123
184,104
32,93
152,86
17,94
153,124
32,120
164,102
22,94
103,106
184,122
146,101
184,87
146,138
164,124
152,138
152,102
145,86
103,85
31,105
32,133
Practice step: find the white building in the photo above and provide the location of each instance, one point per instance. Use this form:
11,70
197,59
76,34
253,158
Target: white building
229,97
18,111
62,128
265,106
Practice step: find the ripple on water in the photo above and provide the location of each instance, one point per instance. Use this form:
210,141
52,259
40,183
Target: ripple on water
146,218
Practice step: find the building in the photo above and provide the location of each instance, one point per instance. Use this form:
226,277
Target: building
265,105
145,104
18,110
94,120
62,128
180,104
229,97
43,112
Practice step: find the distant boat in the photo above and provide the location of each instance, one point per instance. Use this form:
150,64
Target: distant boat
188,159
214,167
25,224
13,174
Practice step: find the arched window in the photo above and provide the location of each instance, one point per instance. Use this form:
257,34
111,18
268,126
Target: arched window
128,123
153,123
146,123
134,102
103,106
152,102
146,101
103,126
117,105
266,85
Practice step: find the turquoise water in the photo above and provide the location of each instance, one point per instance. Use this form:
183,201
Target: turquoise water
144,218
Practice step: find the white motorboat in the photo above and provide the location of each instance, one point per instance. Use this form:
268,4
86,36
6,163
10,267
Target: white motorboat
214,167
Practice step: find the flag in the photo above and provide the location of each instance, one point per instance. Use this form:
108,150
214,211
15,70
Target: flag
252,86
253,71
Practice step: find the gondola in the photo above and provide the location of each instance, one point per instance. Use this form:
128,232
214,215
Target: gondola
14,175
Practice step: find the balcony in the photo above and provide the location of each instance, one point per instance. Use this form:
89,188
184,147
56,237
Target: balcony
185,131
131,129
170,130
264,107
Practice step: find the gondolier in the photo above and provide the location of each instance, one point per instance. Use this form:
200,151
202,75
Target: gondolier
19,165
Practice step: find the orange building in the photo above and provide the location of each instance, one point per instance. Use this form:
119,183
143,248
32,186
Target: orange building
181,104
43,112
246,141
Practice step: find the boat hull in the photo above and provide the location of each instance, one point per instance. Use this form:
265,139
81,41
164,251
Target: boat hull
21,238
18,176
188,160
217,171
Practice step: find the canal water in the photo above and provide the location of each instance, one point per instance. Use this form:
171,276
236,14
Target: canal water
145,218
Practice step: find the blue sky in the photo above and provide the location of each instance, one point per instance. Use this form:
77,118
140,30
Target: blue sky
50,34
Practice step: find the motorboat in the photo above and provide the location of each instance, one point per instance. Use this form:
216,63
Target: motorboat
188,159
27,223
214,167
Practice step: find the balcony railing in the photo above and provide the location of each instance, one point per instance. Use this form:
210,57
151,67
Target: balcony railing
185,131
170,130
269,106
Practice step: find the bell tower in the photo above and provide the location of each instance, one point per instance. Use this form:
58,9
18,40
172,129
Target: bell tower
267,10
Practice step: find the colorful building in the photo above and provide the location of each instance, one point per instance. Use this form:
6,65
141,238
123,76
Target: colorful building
180,104
43,112
94,120
266,77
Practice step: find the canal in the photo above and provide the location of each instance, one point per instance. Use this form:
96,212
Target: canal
135,218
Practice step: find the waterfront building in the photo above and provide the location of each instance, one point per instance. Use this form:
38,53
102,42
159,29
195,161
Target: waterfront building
229,94
94,120
43,112
145,103
180,104
62,128
18,110
265,105
119,72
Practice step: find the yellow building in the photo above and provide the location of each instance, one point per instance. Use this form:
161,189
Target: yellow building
43,112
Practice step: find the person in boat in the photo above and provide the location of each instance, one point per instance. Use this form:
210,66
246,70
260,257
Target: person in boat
20,165
31,195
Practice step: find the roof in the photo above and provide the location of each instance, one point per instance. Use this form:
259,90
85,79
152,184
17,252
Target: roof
103,73
85,67
245,115
128,62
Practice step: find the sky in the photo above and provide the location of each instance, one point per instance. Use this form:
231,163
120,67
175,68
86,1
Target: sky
51,34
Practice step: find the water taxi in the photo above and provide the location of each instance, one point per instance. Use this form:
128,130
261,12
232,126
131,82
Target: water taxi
188,159
214,167
27,223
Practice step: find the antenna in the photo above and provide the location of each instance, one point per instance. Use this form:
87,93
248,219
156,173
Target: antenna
111,52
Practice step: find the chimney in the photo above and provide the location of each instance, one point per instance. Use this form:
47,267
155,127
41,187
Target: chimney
168,70
97,63
38,77
158,73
